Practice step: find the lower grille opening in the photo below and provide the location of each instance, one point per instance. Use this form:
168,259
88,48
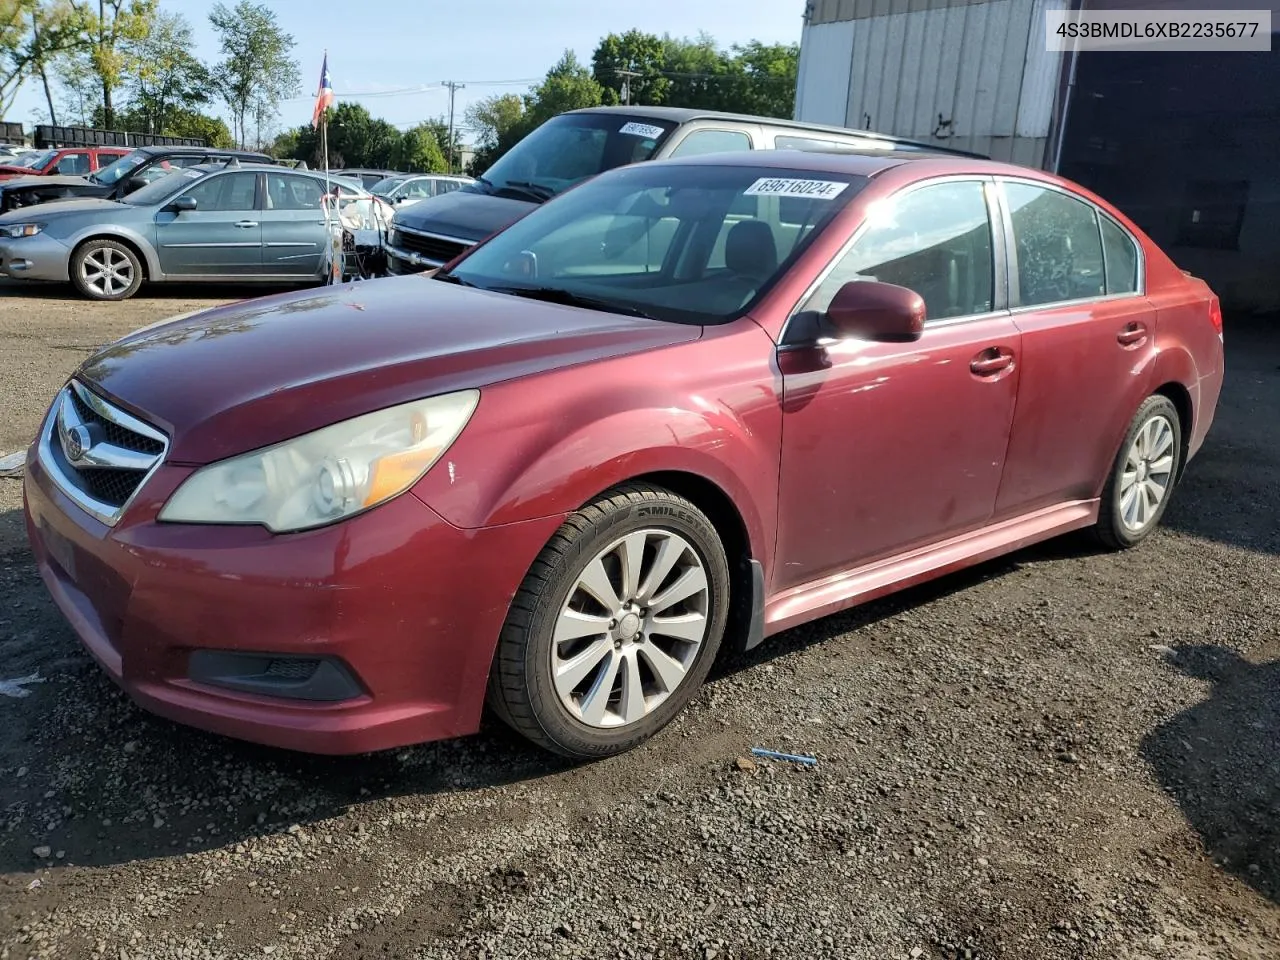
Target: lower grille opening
319,679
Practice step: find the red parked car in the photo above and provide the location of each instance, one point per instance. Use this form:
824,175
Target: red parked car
687,404
66,161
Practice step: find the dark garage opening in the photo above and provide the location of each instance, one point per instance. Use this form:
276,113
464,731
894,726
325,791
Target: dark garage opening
1188,145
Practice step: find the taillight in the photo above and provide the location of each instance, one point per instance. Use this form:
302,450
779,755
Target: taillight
1215,315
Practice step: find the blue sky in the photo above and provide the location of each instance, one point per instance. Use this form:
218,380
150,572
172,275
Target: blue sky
390,45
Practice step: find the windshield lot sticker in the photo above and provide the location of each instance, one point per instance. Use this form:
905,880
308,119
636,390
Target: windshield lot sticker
781,187
641,130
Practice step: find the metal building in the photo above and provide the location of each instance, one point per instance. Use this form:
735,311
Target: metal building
1187,144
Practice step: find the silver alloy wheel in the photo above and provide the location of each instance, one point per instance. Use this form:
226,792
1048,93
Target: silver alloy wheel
630,628
107,271
1147,474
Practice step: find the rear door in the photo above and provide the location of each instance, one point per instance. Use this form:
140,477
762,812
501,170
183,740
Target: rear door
1088,344
293,226
222,237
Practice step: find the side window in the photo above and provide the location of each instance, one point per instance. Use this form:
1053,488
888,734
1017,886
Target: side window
446,186
935,240
228,191
73,164
1121,258
293,193
1057,243
711,141
418,188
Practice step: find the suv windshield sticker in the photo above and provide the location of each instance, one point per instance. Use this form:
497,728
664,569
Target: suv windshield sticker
642,130
782,187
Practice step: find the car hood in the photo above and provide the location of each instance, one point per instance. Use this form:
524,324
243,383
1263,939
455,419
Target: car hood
53,181
462,214
238,377
74,205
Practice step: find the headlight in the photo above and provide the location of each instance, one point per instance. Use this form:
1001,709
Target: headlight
15,230
327,475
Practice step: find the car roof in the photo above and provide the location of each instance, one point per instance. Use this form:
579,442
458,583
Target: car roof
156,148
689,114
865,163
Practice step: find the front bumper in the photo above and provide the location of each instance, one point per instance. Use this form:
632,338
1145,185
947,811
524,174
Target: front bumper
406,604
35,258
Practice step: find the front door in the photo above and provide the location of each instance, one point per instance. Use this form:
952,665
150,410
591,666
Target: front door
221,237
890,446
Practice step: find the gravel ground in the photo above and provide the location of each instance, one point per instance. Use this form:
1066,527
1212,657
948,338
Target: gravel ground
1063,754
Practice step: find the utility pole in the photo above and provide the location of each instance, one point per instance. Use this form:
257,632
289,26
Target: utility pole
626,76
454,87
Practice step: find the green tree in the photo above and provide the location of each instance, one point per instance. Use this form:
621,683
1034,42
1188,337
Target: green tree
179,122
497,123
631,52
257,70
34,35
168,77
764,78
112,28
420,149
696,70
567,86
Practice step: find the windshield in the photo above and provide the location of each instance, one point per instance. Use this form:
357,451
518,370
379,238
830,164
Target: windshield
34,161
384,187
114,172
157,191
572,147
690,244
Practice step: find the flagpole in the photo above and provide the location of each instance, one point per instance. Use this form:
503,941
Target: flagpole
335,268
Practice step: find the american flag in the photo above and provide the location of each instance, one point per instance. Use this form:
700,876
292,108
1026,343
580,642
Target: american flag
324,95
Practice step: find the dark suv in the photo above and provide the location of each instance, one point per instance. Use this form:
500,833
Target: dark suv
573,146
113,182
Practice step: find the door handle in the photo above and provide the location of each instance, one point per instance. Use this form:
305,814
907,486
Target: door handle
990,362
246,223
1132,333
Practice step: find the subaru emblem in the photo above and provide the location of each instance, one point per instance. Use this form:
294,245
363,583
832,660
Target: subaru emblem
75,442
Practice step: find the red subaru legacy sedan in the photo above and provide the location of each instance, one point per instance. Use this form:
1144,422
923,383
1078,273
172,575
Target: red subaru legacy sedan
684,406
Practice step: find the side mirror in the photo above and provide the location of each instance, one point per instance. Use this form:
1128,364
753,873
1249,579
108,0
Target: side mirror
871,310
134,183
183,203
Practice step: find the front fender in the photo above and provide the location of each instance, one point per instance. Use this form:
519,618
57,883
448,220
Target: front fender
543,447
116,231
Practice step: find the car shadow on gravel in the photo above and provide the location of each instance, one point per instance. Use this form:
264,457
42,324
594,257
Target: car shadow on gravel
91,776
1220,762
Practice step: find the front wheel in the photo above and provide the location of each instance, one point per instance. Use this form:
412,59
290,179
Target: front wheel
106,270
1142,479
615,626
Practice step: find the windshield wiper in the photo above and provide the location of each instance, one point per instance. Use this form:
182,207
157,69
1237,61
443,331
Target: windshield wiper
450,278
537,190
570,299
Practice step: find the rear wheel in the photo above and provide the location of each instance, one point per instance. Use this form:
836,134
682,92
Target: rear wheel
1143,476
106,270
615,626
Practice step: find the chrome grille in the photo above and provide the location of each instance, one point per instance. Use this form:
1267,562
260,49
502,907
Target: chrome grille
435,248
97,454
114,432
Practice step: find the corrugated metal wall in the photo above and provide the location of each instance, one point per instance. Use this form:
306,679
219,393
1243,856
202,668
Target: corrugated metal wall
971,74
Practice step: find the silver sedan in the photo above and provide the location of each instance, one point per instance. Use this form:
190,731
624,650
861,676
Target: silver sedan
213,222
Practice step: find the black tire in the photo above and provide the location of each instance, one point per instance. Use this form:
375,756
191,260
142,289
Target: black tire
521,688
83,268
1111,530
